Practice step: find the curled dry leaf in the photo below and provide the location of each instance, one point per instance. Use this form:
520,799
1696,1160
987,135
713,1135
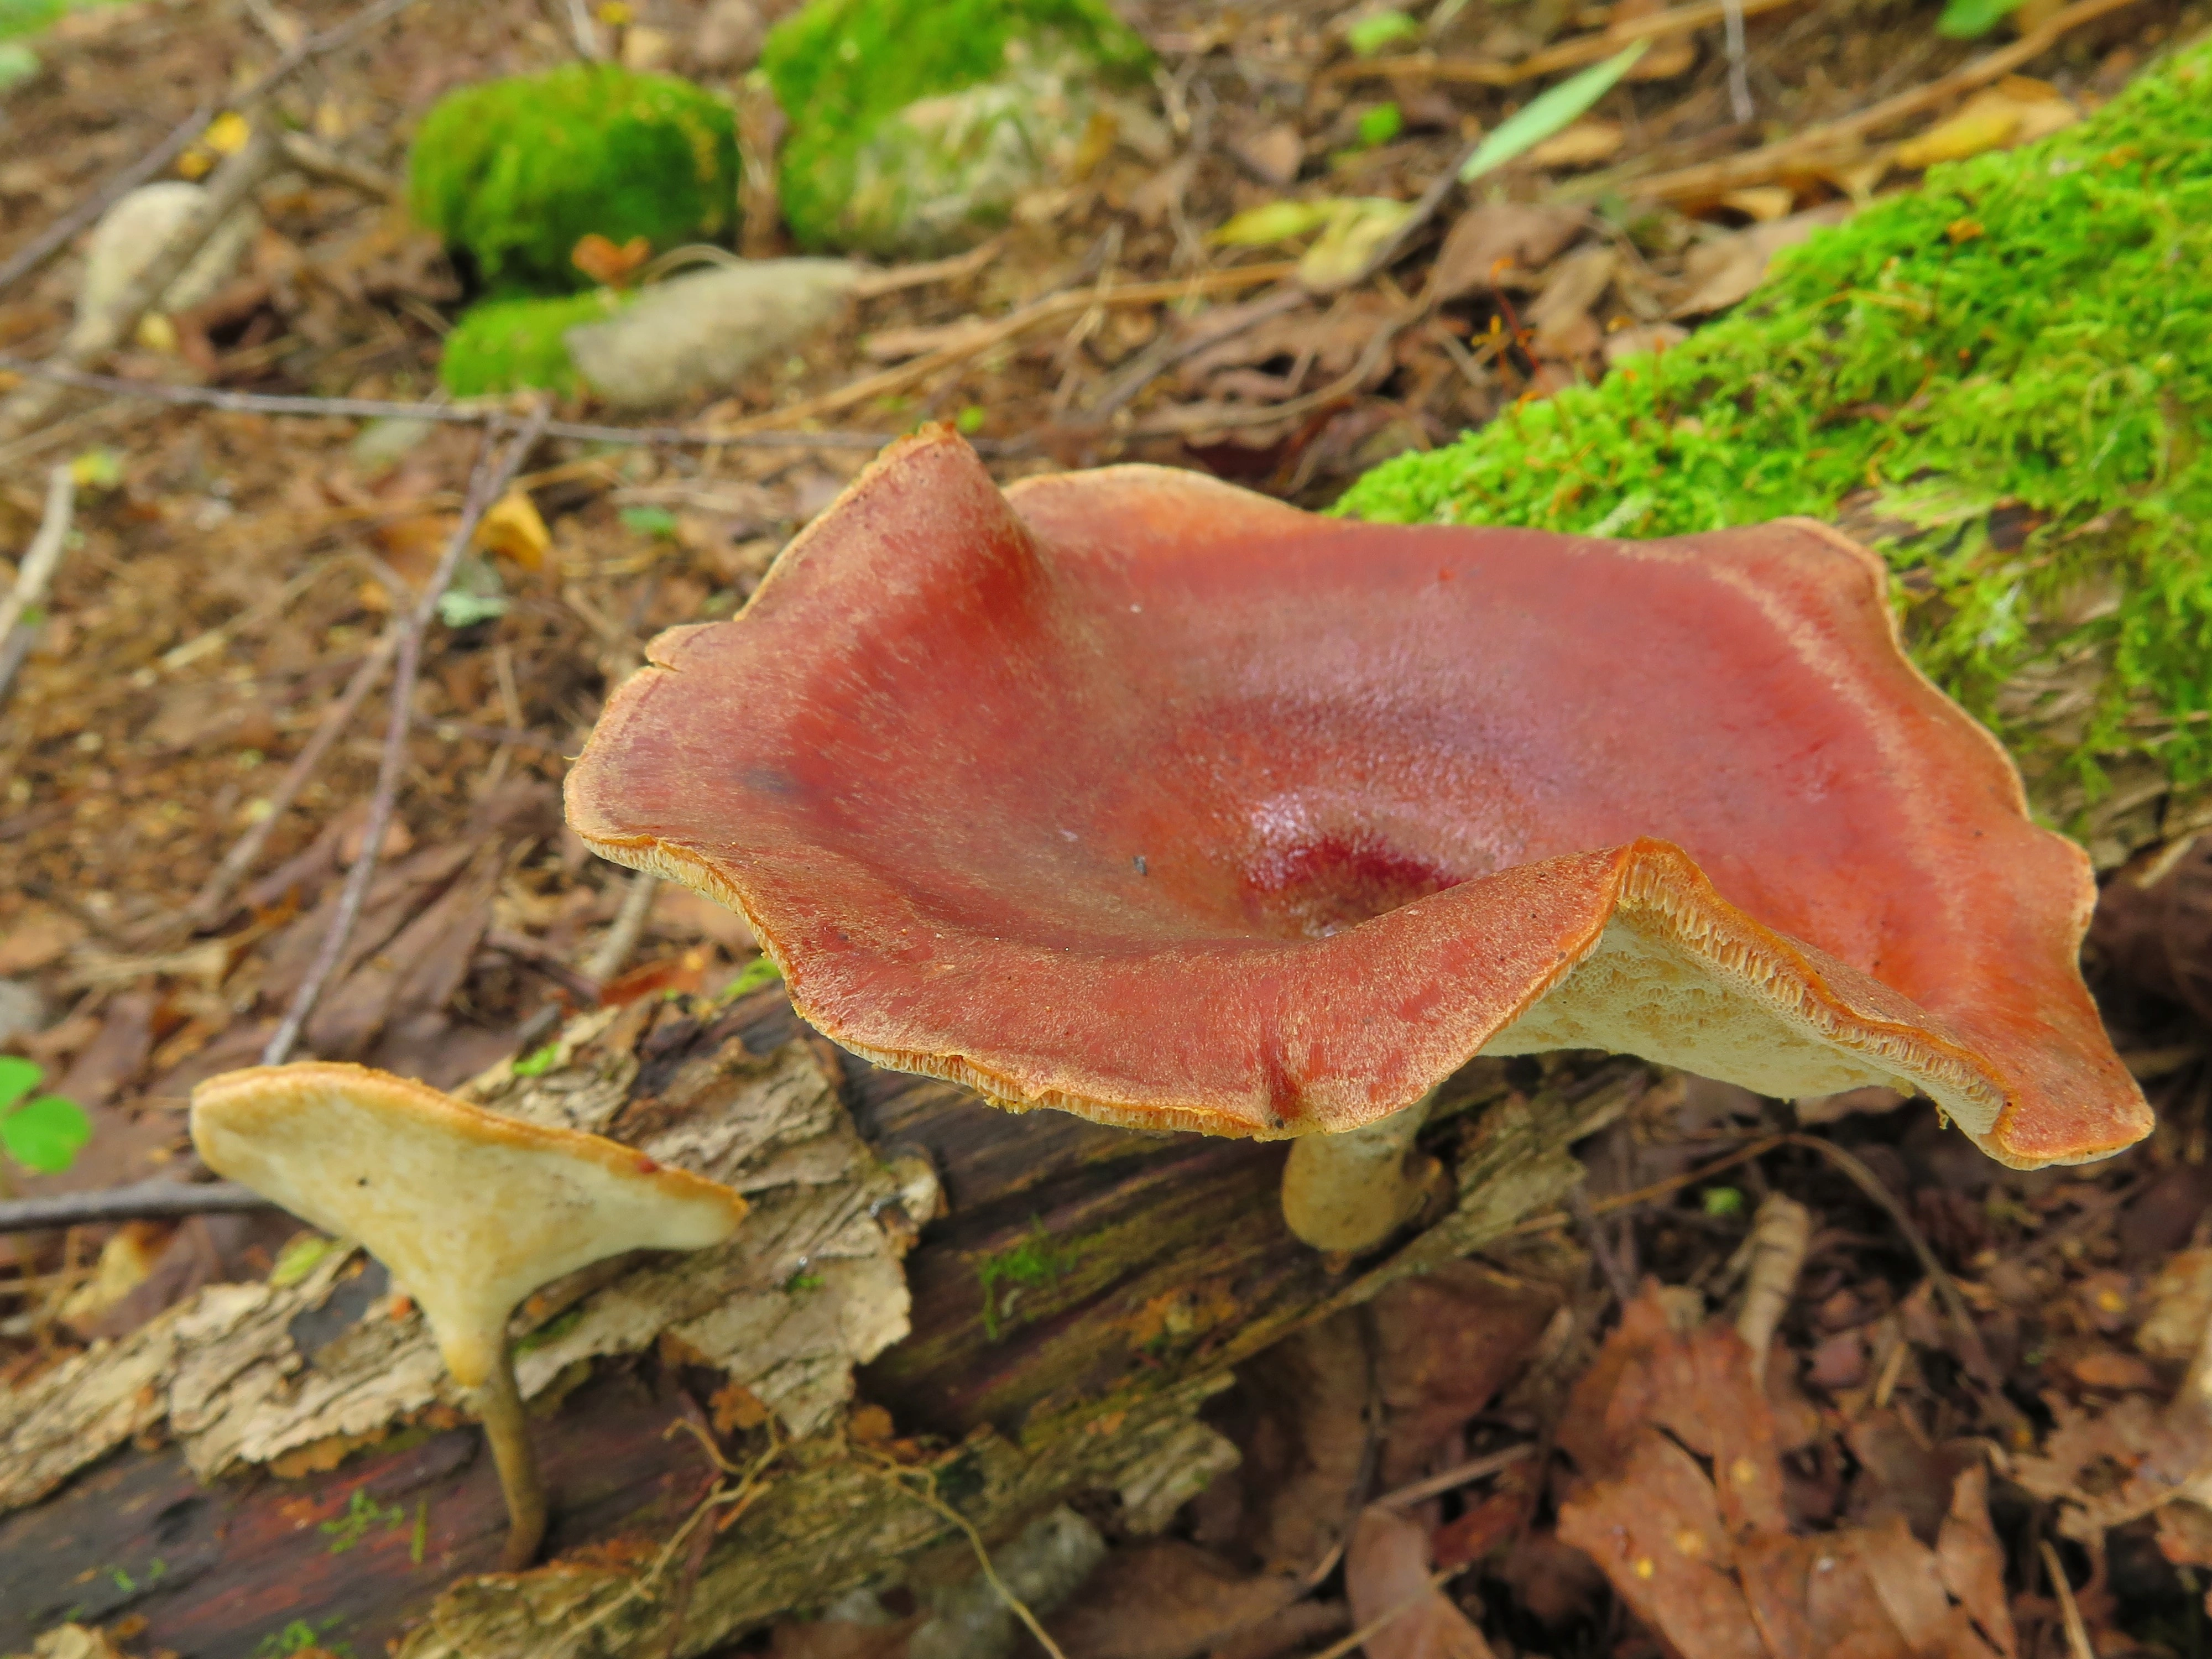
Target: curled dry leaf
1166,1599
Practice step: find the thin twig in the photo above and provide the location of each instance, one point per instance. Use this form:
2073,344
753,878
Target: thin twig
1040,312
1568,54
1739,62
926,1496
1600,1248
2069,1611
1973,1354
210,904
487,486
1392,1614
142,1200
35,575
1712,178
378,409
86,213
1155,360
95,333
629,922
1459,1475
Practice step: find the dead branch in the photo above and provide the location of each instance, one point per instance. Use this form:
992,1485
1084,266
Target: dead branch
489,482
1711,178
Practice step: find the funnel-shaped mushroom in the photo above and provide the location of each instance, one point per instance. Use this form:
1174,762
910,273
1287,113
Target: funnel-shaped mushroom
1134,794
470,1211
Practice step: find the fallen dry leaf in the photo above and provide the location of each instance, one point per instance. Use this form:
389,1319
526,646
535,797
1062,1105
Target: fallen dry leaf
1582,145
1446,1343
2016,110
1386,1568
1708,1560
1166,1599
1487,244
514,529
1274,154
1723,270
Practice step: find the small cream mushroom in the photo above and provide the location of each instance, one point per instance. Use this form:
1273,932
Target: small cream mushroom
470,1210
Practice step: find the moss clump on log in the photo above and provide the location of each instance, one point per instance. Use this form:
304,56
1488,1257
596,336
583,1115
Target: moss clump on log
518,345
2004,379
514,172
914,123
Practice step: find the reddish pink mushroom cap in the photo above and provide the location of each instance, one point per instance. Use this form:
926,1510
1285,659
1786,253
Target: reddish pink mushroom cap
1135,794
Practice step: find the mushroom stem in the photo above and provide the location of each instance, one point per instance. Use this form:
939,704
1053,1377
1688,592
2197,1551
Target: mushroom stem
1347,1191
507,1426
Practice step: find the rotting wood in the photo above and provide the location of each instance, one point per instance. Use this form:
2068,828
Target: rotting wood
296,1448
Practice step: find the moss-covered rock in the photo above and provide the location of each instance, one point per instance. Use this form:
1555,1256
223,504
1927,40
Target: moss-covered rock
915,124
2004,379
514,172
517,345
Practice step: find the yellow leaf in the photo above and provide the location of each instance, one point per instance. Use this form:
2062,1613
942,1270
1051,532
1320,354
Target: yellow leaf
1353,233
227,134
195,163
513,528
157,333
1277,222
1982,126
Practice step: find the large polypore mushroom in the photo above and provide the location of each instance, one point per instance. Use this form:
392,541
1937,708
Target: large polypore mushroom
470,1210
1134,794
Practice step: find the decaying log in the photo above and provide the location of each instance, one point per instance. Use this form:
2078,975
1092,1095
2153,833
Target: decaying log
271,1457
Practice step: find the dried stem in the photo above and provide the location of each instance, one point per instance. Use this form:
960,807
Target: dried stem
486,486
35,575
506,1431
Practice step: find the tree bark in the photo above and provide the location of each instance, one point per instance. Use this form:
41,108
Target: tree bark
271,1459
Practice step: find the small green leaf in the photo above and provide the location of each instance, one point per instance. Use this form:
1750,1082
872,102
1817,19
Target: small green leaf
761,970
1355,233
1548,113
458,609
43,1135
1381,124
538,1062
297,1259
97,469
970,421
650,521
1969,20
18,1077
1722,1200
1371,34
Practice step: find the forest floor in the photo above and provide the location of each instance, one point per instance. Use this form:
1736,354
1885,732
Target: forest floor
235,572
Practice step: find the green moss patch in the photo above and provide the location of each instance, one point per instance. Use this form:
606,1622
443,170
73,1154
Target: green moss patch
2004,379
516,345
859,155
515,173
